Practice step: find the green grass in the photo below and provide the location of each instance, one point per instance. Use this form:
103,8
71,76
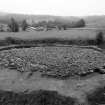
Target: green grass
73,36
68,34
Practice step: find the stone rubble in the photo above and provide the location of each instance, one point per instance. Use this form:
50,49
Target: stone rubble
53,61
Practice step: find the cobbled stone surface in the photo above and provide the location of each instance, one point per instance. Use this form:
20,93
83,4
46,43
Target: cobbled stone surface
53,61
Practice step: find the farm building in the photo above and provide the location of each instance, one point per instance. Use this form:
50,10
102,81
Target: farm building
35,29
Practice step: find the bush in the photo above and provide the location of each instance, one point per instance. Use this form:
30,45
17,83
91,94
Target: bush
24,25
13,40
99,38
80,23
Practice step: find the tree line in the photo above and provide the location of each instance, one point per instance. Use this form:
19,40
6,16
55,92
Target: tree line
14,26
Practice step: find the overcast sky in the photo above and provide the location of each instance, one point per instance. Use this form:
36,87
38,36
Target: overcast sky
54,7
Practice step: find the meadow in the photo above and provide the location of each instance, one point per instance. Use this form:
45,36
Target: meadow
68,37
67,34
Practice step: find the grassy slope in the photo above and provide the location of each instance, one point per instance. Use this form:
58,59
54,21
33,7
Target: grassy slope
95,21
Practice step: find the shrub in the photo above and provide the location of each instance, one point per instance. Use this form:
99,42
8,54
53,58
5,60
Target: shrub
24,25
80,23
13,40
99,38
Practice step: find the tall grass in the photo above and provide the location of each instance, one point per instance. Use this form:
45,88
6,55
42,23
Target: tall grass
17,41
40,97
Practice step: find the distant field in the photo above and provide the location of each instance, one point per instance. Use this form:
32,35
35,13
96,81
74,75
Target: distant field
68,34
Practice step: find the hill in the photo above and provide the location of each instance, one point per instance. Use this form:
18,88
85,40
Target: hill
91,21
95,21
5,18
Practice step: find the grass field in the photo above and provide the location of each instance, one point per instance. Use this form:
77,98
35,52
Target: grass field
68,37
68,34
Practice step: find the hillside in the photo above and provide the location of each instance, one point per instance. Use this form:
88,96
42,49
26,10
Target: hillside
95,21
5,18
91,21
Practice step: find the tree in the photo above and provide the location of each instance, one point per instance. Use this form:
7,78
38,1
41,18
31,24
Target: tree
14,27
99,38
24,25
80,23
1,28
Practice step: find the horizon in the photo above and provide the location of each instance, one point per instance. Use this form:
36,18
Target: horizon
3,13
78,8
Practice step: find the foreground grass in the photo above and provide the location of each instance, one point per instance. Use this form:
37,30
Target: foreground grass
97,97
40,97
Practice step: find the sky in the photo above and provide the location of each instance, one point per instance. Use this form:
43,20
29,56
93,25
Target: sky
54,7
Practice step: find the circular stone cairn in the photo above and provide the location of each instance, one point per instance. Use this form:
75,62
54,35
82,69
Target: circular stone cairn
59,62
